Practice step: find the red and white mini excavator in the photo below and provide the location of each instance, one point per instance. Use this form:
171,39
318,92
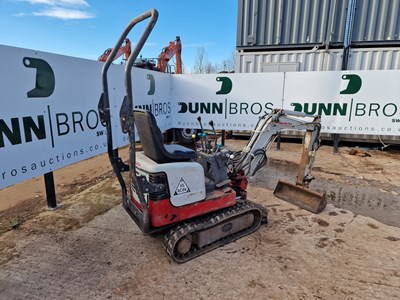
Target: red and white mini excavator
198,198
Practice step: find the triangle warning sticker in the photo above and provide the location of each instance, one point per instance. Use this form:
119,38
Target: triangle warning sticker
182,188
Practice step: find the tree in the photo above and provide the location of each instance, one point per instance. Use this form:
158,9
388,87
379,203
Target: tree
203,66
229,64
200,61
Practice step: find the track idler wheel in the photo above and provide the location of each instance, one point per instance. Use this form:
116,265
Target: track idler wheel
184,244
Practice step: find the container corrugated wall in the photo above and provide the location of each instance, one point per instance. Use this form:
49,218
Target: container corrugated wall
376,20
288,22
320,60
374,59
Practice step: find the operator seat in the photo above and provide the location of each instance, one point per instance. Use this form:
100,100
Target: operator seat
152,141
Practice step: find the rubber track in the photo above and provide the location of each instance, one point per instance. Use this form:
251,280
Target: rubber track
209,221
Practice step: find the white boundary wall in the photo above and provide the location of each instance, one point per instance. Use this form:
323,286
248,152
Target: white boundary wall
42,134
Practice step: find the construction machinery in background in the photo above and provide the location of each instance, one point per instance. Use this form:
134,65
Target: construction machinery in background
197,198
122,50
160,64
173,49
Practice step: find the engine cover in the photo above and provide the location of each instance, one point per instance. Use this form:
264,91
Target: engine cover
186,181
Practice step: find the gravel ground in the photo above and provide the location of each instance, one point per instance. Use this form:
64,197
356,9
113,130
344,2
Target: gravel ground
91,249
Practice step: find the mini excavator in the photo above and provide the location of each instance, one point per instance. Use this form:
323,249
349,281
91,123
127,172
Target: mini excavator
197,198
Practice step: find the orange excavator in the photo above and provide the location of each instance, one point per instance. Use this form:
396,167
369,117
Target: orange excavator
125,50
174,48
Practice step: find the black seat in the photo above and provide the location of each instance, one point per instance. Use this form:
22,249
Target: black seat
152,141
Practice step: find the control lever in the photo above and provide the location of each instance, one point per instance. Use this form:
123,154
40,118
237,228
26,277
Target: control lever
201,134
215,134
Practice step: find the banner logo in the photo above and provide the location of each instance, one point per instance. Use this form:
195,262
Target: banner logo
226,85
152,88
354,84
48,124
45,81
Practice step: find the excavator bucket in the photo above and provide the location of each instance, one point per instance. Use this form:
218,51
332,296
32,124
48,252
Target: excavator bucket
300,196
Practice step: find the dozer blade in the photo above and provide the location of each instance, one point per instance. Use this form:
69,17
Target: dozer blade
298,195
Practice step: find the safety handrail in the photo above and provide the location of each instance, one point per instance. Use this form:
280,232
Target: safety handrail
104,109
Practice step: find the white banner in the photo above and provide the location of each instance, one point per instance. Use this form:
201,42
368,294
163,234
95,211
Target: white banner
152,92
362,102
49,116
231,101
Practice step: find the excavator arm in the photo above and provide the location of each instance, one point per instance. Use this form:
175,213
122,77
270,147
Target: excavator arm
253,155
246,163
123,50
174,48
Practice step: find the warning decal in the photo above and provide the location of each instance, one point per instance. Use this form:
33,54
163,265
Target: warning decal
182,188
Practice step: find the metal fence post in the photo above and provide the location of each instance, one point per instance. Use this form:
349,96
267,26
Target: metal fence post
50,190
278,141
336,139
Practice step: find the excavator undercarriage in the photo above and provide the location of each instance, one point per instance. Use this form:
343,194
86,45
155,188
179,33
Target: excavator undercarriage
198,236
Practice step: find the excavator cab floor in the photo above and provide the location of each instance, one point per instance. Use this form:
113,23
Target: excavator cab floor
300,196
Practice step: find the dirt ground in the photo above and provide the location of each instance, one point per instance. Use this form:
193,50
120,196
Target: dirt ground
89,248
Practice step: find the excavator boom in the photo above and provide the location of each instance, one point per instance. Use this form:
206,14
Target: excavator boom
167,53
123,50
253,156
174,48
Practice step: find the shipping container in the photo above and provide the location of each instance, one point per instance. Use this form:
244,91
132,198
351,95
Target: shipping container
376,21
288,61
290,23
304,23
318,60
374,59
